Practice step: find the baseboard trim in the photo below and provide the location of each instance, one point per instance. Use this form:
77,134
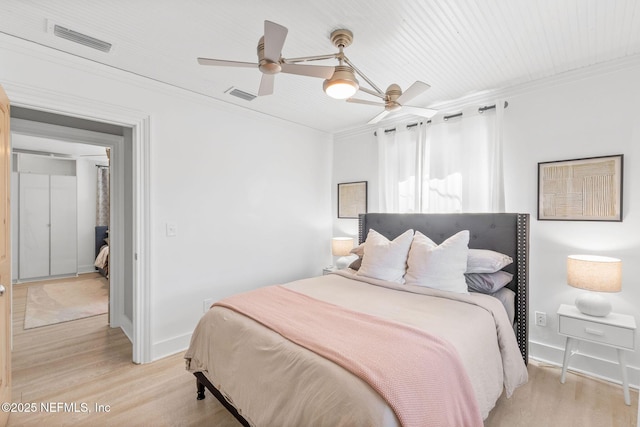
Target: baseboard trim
83,269
171,346
125,324
585,364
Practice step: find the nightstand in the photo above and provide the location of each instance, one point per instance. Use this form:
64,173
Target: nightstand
614,330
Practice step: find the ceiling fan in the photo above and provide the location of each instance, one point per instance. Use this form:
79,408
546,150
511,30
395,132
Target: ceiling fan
270,60
340,81
395,100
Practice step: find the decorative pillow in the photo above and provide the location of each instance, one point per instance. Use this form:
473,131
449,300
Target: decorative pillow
438,267
355,265
358,250
385,260
488,283
486,261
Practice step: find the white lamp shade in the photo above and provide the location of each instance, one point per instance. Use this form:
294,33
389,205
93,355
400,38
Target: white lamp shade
594,273
341,246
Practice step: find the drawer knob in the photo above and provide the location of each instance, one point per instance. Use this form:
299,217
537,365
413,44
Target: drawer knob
594,332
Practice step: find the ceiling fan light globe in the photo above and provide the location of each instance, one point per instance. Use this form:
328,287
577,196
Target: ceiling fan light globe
342,84
340,89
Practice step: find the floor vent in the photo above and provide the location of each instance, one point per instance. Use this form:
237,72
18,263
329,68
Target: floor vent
243,95
82,39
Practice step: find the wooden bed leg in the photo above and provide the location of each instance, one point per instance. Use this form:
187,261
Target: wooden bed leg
200,387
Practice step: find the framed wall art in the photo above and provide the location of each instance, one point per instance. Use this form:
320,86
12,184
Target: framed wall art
352,199
587,189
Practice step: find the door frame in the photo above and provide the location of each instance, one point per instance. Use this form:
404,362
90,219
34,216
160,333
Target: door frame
62,104
115,143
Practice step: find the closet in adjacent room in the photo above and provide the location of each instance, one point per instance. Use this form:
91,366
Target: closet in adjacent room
46,216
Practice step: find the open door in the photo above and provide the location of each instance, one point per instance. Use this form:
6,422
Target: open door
5,256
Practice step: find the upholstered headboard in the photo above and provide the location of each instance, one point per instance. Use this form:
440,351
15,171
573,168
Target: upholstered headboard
507,233
101,234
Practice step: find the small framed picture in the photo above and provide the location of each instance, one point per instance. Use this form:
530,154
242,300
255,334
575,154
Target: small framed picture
352,199
587,189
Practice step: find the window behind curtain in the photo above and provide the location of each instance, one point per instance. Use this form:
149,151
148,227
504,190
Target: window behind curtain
445,166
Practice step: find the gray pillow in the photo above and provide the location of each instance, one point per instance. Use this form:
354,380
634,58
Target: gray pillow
488,283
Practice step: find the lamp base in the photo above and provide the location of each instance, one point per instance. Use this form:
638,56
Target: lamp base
593,304
343,262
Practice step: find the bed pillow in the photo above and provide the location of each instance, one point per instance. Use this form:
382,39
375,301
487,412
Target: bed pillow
486,261
359,251
385,259
438,266
488,283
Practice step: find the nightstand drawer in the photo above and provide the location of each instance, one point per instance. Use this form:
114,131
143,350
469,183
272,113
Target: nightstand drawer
598,332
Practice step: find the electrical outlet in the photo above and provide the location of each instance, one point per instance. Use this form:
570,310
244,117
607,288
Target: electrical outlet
541,318
206,304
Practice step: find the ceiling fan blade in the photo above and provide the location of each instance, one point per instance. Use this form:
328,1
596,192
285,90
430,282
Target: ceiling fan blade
320,71
274,36
362,101
420,111
379,117
223,63
414,90
266,84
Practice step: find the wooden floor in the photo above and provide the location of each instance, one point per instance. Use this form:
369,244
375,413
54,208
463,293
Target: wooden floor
85,362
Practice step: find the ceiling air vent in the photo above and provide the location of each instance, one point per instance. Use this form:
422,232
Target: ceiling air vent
80,38
242,94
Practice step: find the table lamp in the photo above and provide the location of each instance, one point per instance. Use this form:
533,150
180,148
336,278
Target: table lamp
341,247
597,274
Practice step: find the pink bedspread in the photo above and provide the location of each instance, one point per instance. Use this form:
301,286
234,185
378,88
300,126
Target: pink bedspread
419,375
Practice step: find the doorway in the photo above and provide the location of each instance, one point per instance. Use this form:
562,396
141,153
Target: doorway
60,218
63,132
130,160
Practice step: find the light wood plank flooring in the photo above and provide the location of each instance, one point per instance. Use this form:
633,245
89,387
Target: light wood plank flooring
85,361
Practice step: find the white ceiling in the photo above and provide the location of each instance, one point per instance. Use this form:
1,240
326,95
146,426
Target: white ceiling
459,47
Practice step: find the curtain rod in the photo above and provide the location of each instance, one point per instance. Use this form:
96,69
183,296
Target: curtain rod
445,118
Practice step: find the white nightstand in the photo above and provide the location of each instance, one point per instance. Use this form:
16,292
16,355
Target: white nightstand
614,330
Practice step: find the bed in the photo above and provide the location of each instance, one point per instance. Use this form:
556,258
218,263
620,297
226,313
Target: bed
101,262
265,379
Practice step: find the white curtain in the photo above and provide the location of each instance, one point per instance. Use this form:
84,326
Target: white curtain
445,166
398,166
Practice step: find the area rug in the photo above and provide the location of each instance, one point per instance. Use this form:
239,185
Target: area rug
53,303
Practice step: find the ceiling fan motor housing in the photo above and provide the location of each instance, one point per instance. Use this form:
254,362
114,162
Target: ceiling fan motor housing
392,94
265,65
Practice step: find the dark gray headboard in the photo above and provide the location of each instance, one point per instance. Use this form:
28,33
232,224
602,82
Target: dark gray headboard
507,233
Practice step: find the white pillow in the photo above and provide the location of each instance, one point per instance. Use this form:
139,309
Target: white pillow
439,267
384,259
486,261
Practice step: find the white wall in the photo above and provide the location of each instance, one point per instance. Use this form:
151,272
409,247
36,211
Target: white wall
592,116
249,194
355,159
592,113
